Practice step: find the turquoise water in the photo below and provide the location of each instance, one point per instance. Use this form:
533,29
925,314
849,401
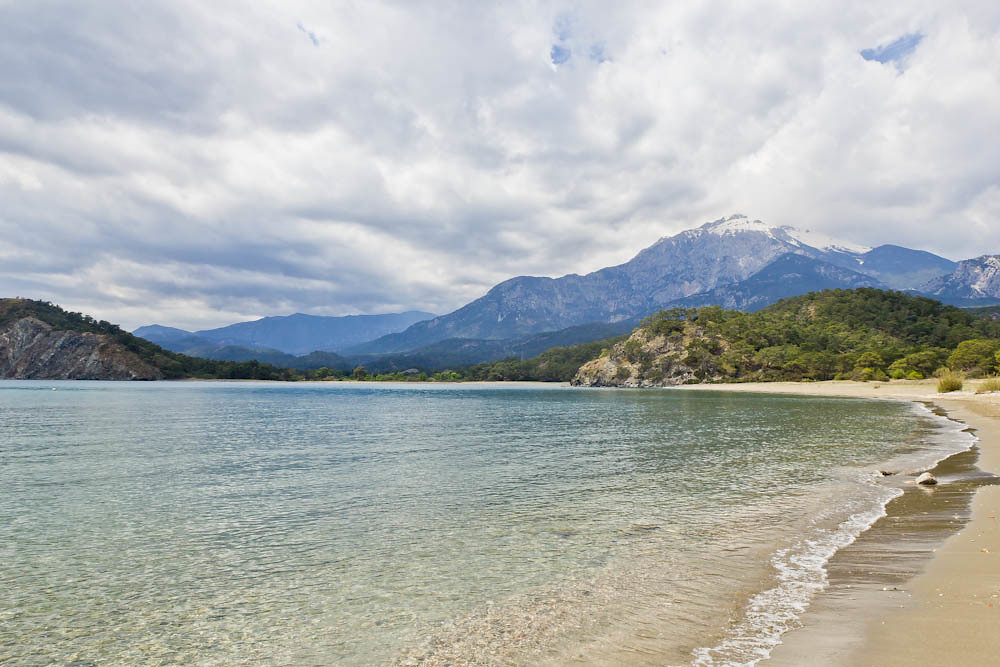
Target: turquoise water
357,524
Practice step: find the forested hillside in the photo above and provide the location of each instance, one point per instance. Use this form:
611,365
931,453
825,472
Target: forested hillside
852,334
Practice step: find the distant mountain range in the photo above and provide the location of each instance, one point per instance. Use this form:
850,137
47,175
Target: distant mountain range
723,262
734,262
975,282
296,334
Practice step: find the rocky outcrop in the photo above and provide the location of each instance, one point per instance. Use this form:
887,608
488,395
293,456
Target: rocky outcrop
644,360
32,350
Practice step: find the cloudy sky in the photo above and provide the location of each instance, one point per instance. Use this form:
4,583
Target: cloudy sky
196,164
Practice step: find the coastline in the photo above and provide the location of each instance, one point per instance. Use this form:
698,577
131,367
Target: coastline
949,612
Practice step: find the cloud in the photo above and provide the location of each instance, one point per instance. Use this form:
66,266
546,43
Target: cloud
195,164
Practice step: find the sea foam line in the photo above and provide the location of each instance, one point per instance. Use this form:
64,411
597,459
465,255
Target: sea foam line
802,571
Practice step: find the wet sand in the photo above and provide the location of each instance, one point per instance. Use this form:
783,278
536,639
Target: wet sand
898,594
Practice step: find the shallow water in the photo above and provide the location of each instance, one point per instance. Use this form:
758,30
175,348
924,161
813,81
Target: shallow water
356,524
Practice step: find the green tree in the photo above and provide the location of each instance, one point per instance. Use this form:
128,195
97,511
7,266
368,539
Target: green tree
975,357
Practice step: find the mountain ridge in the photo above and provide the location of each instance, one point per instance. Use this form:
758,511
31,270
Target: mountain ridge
294,334
695,261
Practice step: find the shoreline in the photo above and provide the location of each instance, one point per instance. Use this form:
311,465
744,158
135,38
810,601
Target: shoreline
950,609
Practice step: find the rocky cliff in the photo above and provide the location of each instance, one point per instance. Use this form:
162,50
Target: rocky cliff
645,359
32,349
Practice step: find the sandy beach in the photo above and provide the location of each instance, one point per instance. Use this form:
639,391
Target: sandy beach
947,614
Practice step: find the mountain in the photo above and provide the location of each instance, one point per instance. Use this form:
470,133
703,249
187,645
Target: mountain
902,268
858,334
789,275
177,340
293,334
722,252
975,282
457,352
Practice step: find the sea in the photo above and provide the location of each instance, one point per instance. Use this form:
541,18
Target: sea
339,523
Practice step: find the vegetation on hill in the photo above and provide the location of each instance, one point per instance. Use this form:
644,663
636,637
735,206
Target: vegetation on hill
862,334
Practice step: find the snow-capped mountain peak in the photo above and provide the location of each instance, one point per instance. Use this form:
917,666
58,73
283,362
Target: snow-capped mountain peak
822,241
739,223
735,224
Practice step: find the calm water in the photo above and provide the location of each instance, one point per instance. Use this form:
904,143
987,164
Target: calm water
357,524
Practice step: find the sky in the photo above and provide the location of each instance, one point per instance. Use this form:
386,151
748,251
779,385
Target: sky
196,164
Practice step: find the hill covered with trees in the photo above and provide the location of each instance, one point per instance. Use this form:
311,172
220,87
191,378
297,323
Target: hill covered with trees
862,334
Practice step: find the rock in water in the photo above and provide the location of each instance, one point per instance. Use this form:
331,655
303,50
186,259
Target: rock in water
927,478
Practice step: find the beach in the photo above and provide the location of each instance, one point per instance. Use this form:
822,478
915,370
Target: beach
949,612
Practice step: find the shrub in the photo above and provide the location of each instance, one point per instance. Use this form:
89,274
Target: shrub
949,381
990,385
655,375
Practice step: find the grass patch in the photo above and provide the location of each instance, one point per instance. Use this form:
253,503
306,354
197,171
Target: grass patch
949,381
991,384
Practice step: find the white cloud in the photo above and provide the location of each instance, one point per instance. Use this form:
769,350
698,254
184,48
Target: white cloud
191,164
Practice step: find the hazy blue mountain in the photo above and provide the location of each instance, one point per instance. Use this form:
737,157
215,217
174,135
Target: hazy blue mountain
457,352
789,275
725,251
902,268
171,338
293,334
975,282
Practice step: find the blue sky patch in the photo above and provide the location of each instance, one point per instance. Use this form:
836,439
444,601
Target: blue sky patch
559,54
894,51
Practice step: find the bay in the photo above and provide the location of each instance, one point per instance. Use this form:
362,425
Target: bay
357,524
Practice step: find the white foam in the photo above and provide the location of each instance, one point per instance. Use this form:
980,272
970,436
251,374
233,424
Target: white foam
801,567
801,572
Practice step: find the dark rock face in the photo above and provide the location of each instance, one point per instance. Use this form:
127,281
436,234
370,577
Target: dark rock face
31,350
